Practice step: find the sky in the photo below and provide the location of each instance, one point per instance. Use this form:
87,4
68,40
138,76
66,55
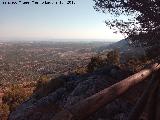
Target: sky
53,21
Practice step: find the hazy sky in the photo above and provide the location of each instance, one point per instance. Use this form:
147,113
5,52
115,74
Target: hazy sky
67,21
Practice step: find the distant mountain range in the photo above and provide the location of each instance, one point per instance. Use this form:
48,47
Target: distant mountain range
123,46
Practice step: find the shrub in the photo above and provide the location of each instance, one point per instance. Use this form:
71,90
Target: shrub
96,62
113,57
42,82
80,71
135,63
46,86
15,96
4,111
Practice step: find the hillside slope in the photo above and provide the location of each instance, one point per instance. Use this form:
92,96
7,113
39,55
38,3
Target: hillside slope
123,46
74,89
66,90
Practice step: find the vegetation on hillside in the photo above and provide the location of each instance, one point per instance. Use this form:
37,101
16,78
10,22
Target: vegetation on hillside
13,96
16,95
46,85
112,57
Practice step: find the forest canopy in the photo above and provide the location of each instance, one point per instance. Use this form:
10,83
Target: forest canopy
139,20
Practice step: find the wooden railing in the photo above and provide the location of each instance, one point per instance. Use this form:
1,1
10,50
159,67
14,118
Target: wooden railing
86,107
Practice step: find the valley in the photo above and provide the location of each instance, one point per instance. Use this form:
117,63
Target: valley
27,61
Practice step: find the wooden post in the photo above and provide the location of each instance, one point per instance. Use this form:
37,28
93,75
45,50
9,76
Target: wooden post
142,102
153,100
158,104
88,106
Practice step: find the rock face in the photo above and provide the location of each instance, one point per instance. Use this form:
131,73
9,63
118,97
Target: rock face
76,88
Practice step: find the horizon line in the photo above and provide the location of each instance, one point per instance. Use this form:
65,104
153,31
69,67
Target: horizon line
61,39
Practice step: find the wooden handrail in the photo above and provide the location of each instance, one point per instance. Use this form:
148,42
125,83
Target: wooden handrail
88,106
142,102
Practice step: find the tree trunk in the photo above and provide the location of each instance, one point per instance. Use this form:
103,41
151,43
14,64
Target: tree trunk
88,106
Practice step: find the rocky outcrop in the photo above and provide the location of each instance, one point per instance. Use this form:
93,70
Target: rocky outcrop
75,89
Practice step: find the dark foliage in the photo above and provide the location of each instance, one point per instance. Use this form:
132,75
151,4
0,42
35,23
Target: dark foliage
95,63
139,20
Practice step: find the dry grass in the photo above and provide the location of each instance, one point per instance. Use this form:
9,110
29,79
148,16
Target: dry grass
4,111
45,86
13,96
